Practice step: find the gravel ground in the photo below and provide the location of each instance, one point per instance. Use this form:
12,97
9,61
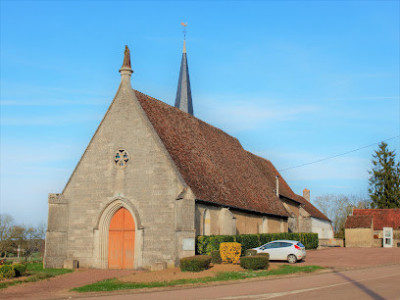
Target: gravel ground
349,258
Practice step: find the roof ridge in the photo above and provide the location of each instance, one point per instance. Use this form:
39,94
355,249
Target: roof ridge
189,116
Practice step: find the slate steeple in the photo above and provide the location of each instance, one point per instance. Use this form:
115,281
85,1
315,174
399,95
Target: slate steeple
183,98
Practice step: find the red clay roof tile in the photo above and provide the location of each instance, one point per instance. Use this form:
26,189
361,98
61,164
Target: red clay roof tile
270,172
358,222
212,163
382,217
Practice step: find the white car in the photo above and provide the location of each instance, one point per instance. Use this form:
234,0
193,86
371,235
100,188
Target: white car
292,251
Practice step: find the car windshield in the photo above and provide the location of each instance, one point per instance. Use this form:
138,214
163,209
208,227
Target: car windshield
300,245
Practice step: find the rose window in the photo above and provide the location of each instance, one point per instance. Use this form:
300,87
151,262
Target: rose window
121,158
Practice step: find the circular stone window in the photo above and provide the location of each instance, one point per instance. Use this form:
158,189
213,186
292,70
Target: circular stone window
121,158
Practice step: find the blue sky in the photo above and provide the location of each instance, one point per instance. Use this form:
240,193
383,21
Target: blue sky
294,81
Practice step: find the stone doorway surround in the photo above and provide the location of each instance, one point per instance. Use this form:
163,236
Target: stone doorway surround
101,231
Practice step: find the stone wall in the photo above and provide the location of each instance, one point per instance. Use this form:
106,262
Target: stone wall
231,222
294,212
57,232
359,237
323,228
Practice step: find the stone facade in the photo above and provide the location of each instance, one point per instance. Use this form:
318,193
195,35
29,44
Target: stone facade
214,220
359,237
322,227
148,186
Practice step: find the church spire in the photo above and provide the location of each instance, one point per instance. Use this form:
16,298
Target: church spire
183,98
126,69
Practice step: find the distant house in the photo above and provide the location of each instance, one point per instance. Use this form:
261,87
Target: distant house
373,228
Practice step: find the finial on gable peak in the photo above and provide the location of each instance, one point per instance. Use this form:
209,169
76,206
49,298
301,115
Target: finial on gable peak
126,68
127,58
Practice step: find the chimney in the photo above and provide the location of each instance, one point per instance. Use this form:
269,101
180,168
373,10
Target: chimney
277,186
306,194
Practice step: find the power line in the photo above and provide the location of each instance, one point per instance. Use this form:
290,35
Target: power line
337,155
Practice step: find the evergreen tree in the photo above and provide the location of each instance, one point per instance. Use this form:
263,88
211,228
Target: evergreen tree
384,182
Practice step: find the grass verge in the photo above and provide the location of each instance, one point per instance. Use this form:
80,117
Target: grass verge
115,284
35,272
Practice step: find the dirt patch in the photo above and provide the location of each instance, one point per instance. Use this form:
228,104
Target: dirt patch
176,273
56,287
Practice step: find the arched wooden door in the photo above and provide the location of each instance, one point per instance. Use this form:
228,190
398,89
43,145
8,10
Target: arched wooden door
121,240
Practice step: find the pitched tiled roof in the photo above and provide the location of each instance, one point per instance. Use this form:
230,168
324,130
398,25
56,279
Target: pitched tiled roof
311,209
212,163
358,222
382,217
270,172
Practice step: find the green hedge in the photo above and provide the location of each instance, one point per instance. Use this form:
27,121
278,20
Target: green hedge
255,262
20,269
195,263
7,271
216,257
206,244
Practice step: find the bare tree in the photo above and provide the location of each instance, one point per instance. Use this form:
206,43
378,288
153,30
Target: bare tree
28,239
338,207
6,225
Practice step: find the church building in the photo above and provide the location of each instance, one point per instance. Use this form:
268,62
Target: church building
154,177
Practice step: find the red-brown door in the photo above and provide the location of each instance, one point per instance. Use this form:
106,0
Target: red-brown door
121,240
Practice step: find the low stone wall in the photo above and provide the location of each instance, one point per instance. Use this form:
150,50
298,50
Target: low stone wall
378,243
359,237
331,242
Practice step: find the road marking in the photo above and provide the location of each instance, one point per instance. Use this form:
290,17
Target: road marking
280,294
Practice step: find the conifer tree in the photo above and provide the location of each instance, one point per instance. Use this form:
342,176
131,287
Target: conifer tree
384,182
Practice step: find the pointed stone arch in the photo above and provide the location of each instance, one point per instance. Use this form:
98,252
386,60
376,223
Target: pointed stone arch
101,232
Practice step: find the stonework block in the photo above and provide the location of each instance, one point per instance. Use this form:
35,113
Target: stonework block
56,199
158,266
71,264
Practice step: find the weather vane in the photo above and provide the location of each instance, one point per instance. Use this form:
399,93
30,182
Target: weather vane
184,29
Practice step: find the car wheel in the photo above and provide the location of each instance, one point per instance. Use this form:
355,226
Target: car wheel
292,259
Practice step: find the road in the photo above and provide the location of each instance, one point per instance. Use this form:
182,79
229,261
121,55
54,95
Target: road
368,283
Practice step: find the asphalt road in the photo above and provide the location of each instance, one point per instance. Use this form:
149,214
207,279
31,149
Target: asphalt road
369,283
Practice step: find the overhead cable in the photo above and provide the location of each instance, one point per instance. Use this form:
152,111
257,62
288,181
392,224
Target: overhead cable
337,155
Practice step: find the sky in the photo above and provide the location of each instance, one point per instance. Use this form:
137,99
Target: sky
294,81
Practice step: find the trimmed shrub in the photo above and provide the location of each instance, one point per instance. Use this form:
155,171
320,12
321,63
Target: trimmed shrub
7,271
250,252
206,244
248,241
254,262
230,252
215,257
195,263
19,269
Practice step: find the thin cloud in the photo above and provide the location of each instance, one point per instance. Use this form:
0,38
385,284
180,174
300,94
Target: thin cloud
241,115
